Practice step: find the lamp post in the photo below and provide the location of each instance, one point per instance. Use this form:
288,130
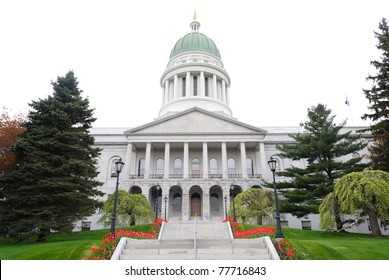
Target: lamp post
273,164
225,205
119,167
165,199
156,201
232,187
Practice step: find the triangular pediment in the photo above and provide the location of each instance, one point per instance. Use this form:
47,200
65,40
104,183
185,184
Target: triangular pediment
196,121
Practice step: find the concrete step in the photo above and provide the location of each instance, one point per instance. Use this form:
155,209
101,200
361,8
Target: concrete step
232,257
212,243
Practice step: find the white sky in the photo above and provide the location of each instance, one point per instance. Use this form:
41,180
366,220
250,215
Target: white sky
282,56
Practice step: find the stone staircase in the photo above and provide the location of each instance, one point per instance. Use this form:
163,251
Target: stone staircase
195,240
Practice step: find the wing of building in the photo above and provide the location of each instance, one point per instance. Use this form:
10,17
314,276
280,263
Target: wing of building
195,150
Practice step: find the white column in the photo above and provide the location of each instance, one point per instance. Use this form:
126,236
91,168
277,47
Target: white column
127,162
243,159
166,91
188,92
227,95
166,171
202,84
258,164
214,81
263,158
185,206
163,95
147,161
206,211
205,160
175,87
224,90
186,161
224,161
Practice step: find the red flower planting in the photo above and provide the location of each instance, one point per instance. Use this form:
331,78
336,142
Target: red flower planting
110,241
284,248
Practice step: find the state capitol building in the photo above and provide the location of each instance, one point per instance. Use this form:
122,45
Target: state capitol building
195,149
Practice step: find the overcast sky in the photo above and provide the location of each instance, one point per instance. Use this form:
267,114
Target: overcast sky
282,56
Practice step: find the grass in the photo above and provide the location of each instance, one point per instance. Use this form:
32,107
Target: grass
318,245
72,246
310,245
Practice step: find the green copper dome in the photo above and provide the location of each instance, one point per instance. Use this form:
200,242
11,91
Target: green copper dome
195,41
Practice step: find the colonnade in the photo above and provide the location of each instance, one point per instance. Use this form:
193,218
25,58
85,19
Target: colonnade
195,84
130,168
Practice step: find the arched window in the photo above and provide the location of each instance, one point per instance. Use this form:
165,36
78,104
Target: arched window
212,166
160,166
177,166
250,166
195,166
231,166
113,168
141,167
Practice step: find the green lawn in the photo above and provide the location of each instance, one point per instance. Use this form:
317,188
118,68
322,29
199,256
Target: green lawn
310,245
318,245
72,246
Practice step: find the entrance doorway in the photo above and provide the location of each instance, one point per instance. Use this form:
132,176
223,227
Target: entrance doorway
195,202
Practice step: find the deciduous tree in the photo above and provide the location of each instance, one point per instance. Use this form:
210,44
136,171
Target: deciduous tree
131,209
359,192
253,204
10,128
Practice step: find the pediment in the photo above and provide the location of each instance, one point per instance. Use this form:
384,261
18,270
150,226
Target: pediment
196,121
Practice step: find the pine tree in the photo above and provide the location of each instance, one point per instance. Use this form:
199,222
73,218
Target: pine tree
378,97
53,184
321,145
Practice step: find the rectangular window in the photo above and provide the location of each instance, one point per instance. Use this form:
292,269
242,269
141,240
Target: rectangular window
206,87
306,225
195,86
85,226
183,87
284,224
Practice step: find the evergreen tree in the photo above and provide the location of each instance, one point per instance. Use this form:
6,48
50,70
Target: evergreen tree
378,97
321,145
52,185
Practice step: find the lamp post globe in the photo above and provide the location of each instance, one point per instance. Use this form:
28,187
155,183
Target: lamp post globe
119,167
273,166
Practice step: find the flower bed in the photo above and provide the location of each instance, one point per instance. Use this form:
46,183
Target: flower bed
284,249
110,241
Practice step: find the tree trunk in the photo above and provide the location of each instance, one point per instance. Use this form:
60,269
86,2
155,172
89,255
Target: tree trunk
338,220
42,236
375,227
